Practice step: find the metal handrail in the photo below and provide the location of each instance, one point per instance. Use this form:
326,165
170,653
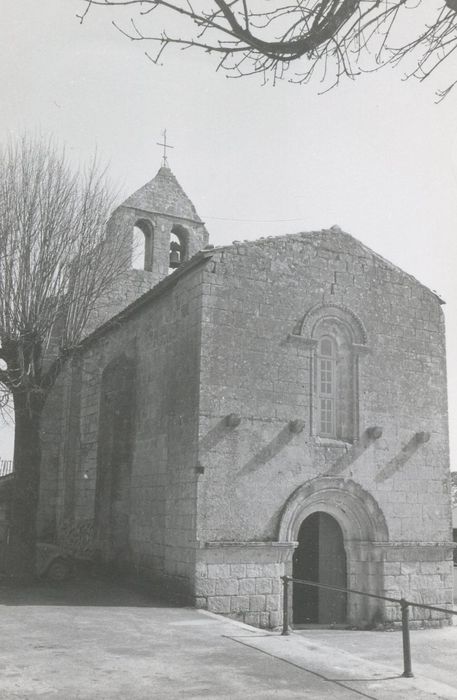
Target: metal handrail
404,604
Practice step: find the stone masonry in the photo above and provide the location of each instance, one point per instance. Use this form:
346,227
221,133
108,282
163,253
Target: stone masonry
276,383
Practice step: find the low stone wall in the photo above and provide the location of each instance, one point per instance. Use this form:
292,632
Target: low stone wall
420,572
242,580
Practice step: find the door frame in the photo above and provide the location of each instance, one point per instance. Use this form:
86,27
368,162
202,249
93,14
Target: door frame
364,529
314,591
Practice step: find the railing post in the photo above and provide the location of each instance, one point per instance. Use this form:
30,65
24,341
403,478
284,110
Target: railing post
407,672
285,605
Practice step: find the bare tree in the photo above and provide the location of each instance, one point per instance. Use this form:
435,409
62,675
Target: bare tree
55,263
332,38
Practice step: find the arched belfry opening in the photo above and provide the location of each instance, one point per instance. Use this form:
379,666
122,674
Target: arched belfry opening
142,245
179,244
320,556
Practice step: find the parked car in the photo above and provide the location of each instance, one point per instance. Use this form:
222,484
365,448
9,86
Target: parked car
57,561
53,563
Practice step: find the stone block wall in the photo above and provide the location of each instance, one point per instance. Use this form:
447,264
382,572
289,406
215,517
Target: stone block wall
422,574
258,358
162,339
242,581
227,437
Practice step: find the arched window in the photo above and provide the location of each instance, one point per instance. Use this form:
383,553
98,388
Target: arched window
142,245
327,386
337,339
335,400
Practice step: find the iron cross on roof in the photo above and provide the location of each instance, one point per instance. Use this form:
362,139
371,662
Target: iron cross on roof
165,146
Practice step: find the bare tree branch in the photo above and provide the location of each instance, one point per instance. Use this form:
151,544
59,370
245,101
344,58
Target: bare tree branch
56,263
55,258
336,37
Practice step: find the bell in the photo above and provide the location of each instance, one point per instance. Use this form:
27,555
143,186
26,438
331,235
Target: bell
175,259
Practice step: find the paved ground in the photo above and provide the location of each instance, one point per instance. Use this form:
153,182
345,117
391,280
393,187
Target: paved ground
433,652
90,639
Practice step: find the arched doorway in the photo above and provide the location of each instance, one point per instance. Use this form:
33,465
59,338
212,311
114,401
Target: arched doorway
342,507
320,557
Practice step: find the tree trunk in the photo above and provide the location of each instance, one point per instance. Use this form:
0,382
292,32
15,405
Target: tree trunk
20,554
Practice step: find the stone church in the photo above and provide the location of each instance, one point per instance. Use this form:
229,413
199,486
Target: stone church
265,408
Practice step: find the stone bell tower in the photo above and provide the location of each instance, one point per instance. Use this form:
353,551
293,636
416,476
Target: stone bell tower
159,230
161,226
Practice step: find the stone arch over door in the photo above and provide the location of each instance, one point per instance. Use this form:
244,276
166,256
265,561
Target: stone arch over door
364,531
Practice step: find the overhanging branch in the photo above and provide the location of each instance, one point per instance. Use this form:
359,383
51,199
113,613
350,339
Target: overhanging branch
334,37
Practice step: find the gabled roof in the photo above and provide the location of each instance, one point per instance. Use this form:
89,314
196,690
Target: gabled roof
163,195
333,239
337,240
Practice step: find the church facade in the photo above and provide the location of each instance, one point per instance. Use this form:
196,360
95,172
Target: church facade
270,407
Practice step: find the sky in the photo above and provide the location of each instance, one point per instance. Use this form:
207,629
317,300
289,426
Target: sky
376,156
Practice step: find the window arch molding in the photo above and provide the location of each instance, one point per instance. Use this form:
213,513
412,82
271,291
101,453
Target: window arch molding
337,338
339,312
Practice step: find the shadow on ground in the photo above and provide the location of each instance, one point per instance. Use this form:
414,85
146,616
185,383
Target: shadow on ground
86,589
